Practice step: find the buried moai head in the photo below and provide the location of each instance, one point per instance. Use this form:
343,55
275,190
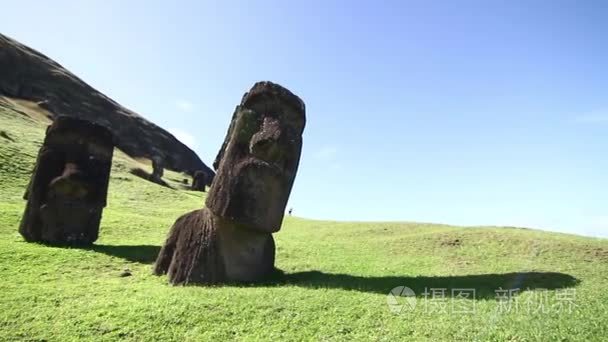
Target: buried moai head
158,167
199,181
69,186
257,163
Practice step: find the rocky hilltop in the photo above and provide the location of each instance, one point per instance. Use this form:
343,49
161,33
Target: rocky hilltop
27,74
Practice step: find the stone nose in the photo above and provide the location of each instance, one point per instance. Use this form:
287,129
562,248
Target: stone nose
271,129
265,143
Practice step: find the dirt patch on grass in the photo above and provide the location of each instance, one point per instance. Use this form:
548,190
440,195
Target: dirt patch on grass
456,242
600,254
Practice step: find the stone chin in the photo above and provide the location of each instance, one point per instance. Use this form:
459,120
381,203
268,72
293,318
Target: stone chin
257,194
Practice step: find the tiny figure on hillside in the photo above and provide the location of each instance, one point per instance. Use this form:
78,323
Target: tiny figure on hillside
290,211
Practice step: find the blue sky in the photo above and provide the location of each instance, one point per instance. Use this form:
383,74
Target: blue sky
460,112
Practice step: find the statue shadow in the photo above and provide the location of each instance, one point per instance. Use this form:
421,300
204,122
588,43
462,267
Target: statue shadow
144,254
484,285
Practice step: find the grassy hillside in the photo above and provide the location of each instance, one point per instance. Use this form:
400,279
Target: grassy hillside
337,274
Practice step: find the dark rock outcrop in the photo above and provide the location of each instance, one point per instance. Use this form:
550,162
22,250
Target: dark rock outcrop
69,186
231,239
28,74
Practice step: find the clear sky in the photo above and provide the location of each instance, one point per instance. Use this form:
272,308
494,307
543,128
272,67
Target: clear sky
460,112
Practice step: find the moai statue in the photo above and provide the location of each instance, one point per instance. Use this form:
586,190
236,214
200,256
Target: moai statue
199,181
231,238
157,168
69,185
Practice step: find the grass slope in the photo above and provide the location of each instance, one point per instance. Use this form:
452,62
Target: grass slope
335,286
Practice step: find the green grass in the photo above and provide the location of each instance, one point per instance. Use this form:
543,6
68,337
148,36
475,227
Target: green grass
336,274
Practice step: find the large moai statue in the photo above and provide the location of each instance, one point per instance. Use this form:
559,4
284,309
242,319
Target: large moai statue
199,181
69,185
231,239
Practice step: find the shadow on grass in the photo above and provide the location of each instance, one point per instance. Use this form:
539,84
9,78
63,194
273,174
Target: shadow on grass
145,254
485,285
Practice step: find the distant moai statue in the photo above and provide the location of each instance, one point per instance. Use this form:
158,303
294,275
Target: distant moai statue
69,185
158,168
231,238
199,181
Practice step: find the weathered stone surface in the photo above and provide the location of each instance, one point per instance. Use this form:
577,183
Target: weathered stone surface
28,74
199,181
69,185
231,239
